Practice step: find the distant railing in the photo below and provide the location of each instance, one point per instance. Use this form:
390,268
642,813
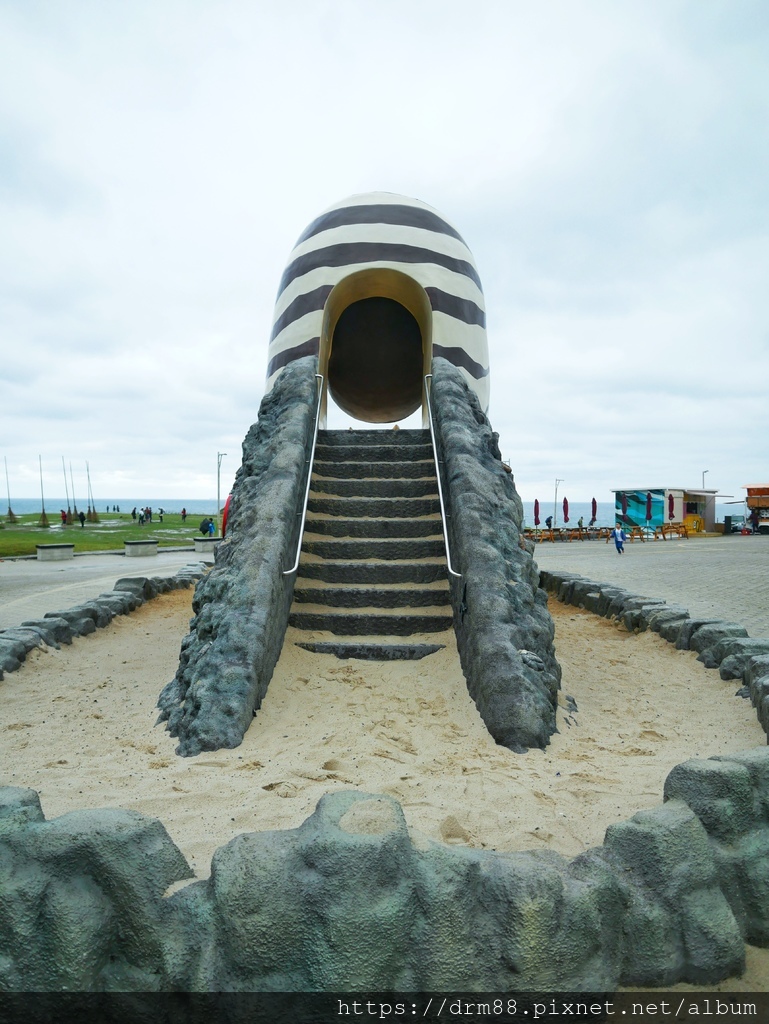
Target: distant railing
429,377
303,513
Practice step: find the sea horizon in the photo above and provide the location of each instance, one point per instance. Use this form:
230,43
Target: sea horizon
606,515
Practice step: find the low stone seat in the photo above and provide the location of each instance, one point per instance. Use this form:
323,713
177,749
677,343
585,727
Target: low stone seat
140,548
209,544
54,552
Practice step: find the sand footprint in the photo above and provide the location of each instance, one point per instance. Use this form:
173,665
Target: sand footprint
284,789
452,832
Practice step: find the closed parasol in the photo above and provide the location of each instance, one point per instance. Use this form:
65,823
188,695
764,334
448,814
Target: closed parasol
593,512
566,510
648,507
536,511
671,507
623,502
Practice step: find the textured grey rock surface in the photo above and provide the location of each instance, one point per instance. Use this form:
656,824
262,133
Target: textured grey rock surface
351,900
82,898
241,607
504,630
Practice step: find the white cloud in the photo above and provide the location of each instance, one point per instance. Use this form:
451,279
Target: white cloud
606,164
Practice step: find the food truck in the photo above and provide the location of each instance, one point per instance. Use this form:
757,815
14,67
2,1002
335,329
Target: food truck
758,500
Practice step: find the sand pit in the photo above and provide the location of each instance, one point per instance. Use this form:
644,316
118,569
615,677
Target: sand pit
78,726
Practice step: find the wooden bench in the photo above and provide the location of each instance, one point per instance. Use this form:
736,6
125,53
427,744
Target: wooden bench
671,530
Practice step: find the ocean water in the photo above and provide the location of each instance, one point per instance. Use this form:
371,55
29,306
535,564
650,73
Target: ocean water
30,506
207,507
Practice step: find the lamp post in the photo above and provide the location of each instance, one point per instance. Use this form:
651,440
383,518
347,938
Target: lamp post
703,477
219,457
555,501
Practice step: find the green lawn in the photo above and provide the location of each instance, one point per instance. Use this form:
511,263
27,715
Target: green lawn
107,534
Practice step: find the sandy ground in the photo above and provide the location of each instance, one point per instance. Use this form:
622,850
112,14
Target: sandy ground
78,726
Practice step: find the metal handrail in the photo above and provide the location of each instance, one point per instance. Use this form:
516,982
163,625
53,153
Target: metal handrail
303,513
429,376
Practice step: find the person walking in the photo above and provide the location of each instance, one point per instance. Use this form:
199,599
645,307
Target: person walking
619,538
81,517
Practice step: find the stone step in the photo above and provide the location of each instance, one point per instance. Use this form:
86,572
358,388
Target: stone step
379,529
371,652
374,573
374,453
423,488
373,470
369,623
385,438
367,597
365,550
374,508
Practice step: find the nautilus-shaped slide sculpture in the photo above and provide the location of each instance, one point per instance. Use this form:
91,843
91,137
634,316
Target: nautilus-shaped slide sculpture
376,287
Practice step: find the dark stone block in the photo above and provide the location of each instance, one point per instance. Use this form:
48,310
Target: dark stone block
708,635
12,654
734,653
29,637
58,628
689,628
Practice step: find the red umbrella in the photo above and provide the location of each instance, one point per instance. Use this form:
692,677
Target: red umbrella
566,510
648,506
536,511
671,507
623,501
594,512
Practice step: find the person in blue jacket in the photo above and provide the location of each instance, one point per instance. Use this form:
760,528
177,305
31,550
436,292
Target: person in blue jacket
619,538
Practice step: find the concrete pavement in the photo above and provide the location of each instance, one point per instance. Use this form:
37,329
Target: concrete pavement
714,577
29,589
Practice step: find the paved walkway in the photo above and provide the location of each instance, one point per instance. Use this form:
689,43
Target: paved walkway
29,589
718,577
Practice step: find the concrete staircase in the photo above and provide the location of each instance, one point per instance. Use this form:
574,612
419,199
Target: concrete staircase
373,567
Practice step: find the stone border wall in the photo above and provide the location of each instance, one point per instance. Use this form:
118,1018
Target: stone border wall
61,627
719,644
242,606
350,901
504,630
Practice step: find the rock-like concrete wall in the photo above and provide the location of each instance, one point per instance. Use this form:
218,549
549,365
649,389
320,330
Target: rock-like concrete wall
241,607
351,901
504,630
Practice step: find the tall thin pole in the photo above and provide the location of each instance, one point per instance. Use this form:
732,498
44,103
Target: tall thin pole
43,517
72,481
66,488
10,517
219,457
92,517
555,501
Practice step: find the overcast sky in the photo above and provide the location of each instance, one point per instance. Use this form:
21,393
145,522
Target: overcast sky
607,163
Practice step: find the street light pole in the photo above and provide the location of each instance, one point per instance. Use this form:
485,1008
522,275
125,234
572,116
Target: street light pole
555,501
219,457
703,477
